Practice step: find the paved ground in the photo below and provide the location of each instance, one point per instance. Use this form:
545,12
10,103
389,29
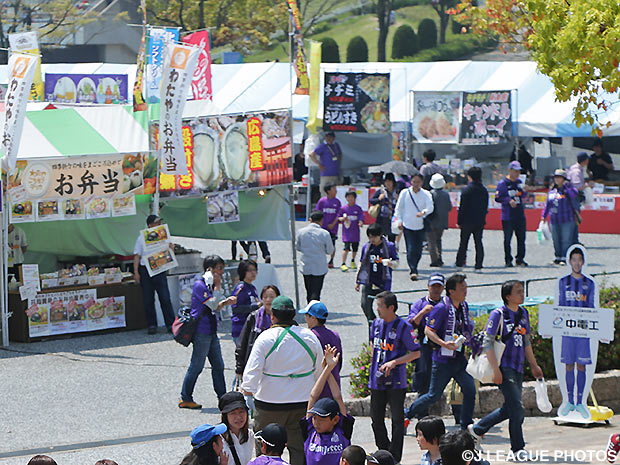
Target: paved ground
115,395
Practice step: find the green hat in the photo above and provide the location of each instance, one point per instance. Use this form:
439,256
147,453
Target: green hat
283,304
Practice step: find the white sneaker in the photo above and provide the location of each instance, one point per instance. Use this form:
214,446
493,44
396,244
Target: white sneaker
477,438
523,456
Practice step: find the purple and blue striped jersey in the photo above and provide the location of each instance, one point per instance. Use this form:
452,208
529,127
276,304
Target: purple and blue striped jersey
575,292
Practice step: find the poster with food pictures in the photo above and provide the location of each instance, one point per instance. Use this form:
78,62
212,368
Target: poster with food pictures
436,117
223,207
357,102
22,212
115,312
73,209
155,237
486,117
123,205
217,151
38,320
49,210
161,260
86,88
98,207
95,313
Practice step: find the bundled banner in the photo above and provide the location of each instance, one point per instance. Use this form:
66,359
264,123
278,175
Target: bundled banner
179,66
139,104
158,38
298,52
20,80
436,116
231,153
357,102
201,82
86,88
315,85
486,117
28,42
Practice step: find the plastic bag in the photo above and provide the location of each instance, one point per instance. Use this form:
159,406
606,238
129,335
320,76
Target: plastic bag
542,233
542,399
589,196
395,226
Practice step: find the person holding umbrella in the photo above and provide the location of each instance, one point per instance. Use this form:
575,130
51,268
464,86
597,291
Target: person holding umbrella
386,196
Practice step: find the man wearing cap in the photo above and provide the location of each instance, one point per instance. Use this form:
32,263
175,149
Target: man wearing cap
328,157
158,282
576,176
600,163
438,220
315,315
418,316
510,194
280,373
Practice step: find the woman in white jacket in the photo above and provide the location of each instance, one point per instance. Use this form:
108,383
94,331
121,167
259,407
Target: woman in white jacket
238,440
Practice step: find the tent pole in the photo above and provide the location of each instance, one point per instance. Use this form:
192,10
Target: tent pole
4,309
293,236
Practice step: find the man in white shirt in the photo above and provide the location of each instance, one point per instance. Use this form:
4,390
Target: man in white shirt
150,284
282,368
413,205
315,244
18,244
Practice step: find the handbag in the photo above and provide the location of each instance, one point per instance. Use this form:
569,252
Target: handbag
184,327
479,367
374,210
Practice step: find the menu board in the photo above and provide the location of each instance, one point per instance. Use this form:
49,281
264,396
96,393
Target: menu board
436,116
486,117
158,254
86,88
357,102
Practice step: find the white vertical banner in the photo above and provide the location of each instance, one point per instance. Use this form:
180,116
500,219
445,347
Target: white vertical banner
22,69
179,64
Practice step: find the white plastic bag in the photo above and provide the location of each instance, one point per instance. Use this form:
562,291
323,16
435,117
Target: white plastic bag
395,226
480,368
543,233
589,196
542,399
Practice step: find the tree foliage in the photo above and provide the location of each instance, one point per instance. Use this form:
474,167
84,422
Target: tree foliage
357,50
329,51
576,44
427,34
404,42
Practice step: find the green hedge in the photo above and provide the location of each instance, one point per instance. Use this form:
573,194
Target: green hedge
455,48
404,42
608,354
329,50
357,50
427,34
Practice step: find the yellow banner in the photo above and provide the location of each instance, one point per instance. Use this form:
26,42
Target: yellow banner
315,83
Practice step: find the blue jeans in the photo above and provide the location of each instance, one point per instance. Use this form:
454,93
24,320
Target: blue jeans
413,241
204,345
441,373
512,409
563,235
149,285
518,228
422,376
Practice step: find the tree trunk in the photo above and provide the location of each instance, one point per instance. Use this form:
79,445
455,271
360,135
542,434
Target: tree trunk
383,16
444,19
201,15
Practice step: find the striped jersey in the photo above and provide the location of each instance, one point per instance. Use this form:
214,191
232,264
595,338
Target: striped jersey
575,292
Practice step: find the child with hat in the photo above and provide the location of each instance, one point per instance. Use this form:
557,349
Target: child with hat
273,441
327,428
351,216
315,314
207,445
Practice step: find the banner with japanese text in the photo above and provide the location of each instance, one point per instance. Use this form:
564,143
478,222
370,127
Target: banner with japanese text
436,117
179,65
22,68
486,117
139,103
218,153
357,102
158,38
28,42
298,52
201,82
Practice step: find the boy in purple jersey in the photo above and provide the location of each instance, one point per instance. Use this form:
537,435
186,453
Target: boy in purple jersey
273,441
330,206
352,218
511,325
576,290
393,345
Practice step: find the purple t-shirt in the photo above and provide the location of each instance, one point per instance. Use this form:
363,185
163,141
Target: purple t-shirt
200,294
514,353
325,337
508,190
330,209
439,319
326,448
267,460
416,308
354,214
390,341
328,156
246,297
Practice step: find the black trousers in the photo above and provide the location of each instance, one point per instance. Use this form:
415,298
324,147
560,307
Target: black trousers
314,285
466,231
378,402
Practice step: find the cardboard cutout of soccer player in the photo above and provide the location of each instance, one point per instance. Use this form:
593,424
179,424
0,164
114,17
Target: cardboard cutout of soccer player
575,357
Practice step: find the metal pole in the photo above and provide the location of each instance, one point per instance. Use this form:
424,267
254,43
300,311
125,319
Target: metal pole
309,193
293,236
4,310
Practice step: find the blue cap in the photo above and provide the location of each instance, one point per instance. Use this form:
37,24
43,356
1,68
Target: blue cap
325,407
514,165
316,309
436,278
204,433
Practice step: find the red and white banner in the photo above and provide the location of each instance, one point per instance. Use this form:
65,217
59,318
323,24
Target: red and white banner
20,80
179,66
201,83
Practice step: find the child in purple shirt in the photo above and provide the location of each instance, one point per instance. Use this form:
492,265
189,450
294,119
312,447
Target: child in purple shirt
511,324
273,439
352,218
247,297
330,206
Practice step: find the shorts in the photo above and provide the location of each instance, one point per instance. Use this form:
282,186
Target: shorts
351,245
576,350
334,238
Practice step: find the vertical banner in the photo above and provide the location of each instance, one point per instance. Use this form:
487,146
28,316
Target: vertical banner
315,85
139,104
298,53
158,38
22,68
201,82
179,64
486,117
28,42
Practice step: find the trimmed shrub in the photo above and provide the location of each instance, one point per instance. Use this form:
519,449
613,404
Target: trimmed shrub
329,51
404,43
357,50
456,48
427,34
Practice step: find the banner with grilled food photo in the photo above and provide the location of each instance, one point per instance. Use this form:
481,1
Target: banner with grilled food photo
436,117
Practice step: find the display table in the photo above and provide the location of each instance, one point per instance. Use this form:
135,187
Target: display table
133,318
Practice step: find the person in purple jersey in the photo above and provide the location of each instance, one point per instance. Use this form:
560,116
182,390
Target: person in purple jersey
576,290
560,208
315,315
273,440
205,342
330,206
393,346
447,322
328,157
247,297
510,194
352,218
327,428
418,316
508,373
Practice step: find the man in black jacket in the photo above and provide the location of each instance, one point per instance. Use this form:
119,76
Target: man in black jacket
472,216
